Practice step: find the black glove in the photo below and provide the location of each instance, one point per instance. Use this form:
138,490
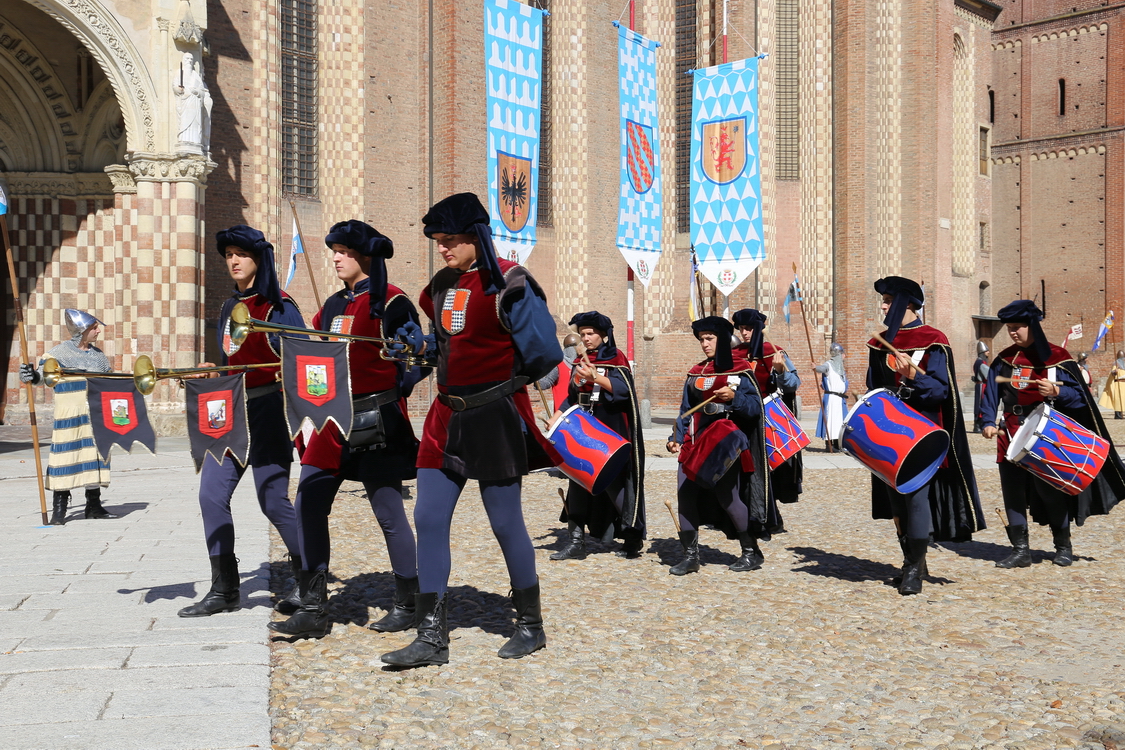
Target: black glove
28,374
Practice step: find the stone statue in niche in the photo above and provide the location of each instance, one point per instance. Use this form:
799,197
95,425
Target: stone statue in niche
193,107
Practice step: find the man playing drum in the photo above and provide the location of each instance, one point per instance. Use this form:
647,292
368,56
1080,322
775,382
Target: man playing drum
947,507
716,456
602,383
774,373
1036,371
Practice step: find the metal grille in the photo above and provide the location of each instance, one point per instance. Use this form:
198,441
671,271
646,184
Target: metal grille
788,101
298,97
544,215
686,53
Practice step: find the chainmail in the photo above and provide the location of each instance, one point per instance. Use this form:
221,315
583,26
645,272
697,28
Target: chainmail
70,357
837,364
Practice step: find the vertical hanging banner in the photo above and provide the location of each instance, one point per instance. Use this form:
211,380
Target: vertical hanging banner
216,418
640,212
513,62
118,416
317,384
726,184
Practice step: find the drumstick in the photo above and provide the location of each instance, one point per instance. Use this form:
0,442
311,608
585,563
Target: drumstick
543,399
1003,379
698,406
1003,516
675,518
894,351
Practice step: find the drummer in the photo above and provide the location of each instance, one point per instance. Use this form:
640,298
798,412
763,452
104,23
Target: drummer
1043,372
774,373
601,382
716,434
947,507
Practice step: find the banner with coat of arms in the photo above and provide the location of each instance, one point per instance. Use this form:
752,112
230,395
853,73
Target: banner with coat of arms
317,384
726,193
216,418
513,61
640,212
118,416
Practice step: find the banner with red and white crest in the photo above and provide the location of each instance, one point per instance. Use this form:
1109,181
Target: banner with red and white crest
216,418
118,416
317,384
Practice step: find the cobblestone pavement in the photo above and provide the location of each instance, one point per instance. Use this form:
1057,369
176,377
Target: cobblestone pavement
815,650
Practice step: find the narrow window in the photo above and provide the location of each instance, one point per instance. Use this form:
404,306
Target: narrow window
1062,96
983,237
985,299
686,51
299,97
788,91
992,106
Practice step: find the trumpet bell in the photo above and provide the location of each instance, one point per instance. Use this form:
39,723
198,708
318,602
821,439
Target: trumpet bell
240,326
52,372
144,374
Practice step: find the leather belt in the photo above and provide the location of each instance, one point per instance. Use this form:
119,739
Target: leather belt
487,396
584,398
262,390
375,400
833,393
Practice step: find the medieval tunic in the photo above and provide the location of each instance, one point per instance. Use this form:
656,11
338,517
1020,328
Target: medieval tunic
955,510
1113,395
785,480
617,410
1007,406
834,402
73,461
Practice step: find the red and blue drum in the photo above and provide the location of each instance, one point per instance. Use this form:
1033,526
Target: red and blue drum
784,436
707,458
894,442
1058,450
593,455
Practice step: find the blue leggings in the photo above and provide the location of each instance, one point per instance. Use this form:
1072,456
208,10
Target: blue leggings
1019,487
217,483
438,491
315,494
725,493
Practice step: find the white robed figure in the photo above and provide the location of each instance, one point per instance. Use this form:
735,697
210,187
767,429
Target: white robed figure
834,403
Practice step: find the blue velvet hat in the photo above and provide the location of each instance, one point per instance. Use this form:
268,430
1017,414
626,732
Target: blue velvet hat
594,319
371,243
463,213
755,321
904,291
723,329
1026,311
253,241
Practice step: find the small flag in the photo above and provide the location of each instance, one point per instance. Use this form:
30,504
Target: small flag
216,418
1103,329
695,302
295,247
3,201
317,384
118,416
1076,331
793,294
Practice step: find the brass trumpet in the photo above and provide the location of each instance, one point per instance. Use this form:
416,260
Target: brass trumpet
146,375
242,325
53,373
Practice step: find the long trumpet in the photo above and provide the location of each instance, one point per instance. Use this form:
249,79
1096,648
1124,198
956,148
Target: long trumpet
53,373
146,375
242,325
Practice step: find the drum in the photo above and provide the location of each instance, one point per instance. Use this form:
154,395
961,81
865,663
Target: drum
593,455
784,436
1058,450
894,442
708,458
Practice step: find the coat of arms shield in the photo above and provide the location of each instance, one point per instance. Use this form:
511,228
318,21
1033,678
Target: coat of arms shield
513,185
724,149
640,156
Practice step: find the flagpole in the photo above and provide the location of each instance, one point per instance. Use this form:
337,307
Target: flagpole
305,252
812,357
630,283
23,351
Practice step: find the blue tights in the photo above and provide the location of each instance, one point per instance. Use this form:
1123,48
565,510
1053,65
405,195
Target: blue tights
217,483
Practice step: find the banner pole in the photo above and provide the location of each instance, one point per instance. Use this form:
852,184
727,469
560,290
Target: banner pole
812,357
305,252
630,283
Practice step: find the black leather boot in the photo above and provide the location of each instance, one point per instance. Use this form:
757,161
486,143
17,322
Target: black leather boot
401,616
689,540
1021,549
529,636
631,545
292,600
752,557
431,645
1064,553
94,507
915,566
575,549
1118,415
897,580
311,618
224,595
59,502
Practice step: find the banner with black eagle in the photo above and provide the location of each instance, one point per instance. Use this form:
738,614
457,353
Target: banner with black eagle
118,416
317,384
216,418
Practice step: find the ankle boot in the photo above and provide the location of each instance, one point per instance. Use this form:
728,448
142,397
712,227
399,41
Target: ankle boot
224,595
292,600
1021,549
632,545
529,636
311,618
912,572
401,616
94,507
59,502
897,580
1064,554
575,549
689,540
752,557
431,645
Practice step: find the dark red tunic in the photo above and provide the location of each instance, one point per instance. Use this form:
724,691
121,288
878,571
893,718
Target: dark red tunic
257,348
1023,372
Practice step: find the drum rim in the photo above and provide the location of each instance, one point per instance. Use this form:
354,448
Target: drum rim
1030,426
559,421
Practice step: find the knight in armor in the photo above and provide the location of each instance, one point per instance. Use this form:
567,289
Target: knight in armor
1084,367
381,450
1113,395
493,335
834,402
74,461
774,373
947,508
1039,371
980,378
249,259
723,477
601,382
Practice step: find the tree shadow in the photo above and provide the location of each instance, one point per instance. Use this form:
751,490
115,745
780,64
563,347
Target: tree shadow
818,562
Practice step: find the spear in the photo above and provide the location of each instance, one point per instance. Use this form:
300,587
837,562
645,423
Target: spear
808,338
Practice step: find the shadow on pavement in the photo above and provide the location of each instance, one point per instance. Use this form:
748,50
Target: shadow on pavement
994,552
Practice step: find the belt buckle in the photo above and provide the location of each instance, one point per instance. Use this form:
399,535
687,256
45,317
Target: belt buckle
1018,410
712,409
584,399
456,403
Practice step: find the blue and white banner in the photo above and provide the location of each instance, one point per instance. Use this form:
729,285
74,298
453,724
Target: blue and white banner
726,184
513,60
296,247
640,213
3,201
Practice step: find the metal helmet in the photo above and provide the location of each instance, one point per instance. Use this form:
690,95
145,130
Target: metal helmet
1120,353
982,348
78,321
837,349
1082,357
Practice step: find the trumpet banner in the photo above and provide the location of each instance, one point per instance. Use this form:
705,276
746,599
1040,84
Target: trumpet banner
118,416
216,418
317,384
